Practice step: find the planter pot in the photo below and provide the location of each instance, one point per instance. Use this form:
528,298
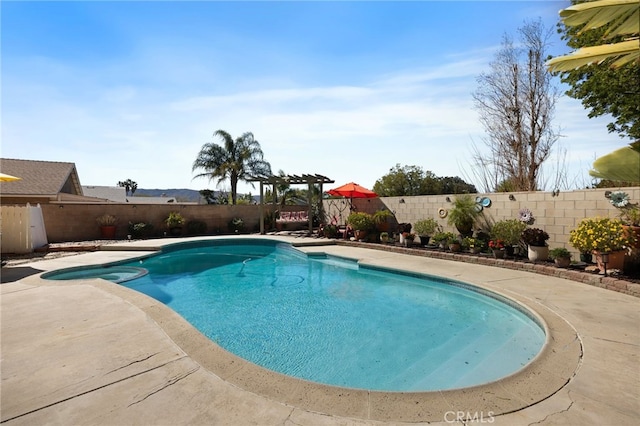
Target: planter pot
616,260
562,262
408,242
424,239
360,235
108,232
175,231
538,253
455,247
474,250
499,254
586,257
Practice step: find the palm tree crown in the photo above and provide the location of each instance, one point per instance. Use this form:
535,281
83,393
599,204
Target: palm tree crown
236,160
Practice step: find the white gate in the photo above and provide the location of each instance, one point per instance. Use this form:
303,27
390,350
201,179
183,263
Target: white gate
22,229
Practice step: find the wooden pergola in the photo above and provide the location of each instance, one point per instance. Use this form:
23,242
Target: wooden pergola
304,179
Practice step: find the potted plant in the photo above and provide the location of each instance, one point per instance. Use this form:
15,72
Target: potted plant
561,256
497,247
408,239
474,245
454,243
381,219
384,237
330,230
425,228
139,229
174,222
441,239
509,232
629,213
107,225
463,214
536,241
602,235
236,225
361,223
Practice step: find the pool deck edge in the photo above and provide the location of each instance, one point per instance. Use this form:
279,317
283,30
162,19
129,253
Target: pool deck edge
527,395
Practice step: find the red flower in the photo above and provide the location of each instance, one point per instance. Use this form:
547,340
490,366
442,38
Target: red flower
496,244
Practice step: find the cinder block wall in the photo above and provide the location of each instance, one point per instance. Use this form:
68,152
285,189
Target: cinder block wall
556,214
77,222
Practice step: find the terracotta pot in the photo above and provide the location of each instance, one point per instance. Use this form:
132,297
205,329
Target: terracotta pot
108,232
562,262
359,235
538,253
455,247
616,260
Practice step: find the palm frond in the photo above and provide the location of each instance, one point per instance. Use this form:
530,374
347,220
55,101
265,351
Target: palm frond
625,52
622,15
621,165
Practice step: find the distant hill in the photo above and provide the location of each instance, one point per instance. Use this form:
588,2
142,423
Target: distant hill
181,195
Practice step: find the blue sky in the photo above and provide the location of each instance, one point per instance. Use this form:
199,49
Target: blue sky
132,90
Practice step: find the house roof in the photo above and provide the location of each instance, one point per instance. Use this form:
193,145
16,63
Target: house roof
40,178
112,193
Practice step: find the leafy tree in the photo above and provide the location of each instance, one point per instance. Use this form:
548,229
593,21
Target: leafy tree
516,101
236,160
406,180
129,186
455,185
413,180
609,87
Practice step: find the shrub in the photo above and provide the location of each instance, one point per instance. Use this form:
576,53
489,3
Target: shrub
361,221
426,227
140,229
236,225
508,230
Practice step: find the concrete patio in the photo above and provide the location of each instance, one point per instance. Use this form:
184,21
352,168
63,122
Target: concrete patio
94,353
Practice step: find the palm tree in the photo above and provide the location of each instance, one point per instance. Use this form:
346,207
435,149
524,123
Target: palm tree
129,186
237,160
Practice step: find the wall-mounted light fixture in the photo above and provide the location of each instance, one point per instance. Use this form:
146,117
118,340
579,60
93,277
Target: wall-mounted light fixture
448,199
555,193
512,197
401,201
61,206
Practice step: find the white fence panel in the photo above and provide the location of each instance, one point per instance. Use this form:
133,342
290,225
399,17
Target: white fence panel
38,232
15,230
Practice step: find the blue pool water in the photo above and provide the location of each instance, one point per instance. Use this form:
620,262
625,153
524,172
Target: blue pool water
327,320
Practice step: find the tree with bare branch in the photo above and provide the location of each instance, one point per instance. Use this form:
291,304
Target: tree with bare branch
516,101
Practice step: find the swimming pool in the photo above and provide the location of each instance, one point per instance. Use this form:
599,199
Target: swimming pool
327,320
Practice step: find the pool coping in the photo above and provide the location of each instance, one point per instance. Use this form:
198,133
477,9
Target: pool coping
545,375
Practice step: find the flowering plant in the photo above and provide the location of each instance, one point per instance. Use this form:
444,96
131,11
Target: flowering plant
496,245
470,242
535,237
600,234
525,215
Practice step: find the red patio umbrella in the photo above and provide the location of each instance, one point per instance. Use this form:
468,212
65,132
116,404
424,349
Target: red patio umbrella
352,190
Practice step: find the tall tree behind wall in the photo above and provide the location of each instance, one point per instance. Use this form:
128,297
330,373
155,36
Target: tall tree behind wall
515,101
